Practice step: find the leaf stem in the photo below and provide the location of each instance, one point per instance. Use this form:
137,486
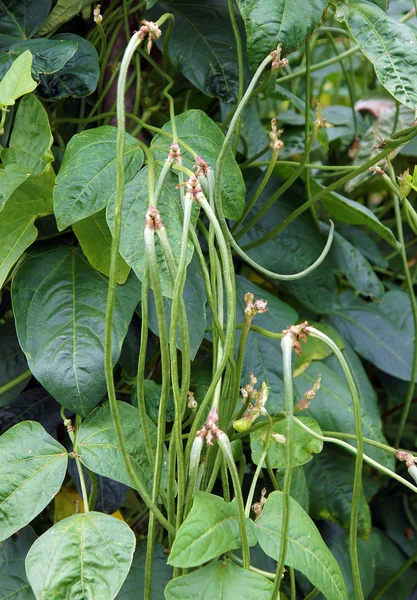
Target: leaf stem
14,382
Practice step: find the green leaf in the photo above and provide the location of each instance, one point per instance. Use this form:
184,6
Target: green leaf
348,259
10,179
315,349
375,337
31,138
12,362
263,355
13,581
304,444
152,393
199,132
32,199
388,44
210,529
133,587
203,47
18,80
221,580
352,212
62,12
100,451
306,550
86,181
332,407
364,243
21,20
86,555
269,22
48,56
60,324
292,250
330,483
135,205
32,469
389,559
95,239
299,490
79,75
195,305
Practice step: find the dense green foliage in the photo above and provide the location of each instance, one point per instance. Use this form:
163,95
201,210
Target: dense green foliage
207,312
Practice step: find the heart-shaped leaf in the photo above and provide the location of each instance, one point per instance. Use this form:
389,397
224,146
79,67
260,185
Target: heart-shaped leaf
211,528
32,469
86,555
51,292
18,80
306,550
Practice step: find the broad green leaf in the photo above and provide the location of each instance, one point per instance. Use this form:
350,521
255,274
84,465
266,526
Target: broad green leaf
18,80
32,469
396,305
195,305
332,407
388,44
133,587
210,529
100,451
292,250
206,139
348,259
79,75
60,324
269,22
62,12
330,483
221,580
13,581
389,559
95,239
12,362
350,211
135,205
304,444
263,355
48,56
364,243
299,490
31,139
86,181
375,337
11,177
31,200
203,47
83,556
21,20
34,404
306,550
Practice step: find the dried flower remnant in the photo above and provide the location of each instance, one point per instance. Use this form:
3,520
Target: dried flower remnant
305,401
151,30
256,400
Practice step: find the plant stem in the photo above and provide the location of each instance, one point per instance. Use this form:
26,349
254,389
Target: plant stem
14,382
395,576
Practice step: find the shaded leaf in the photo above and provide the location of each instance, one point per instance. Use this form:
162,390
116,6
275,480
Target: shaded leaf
62,12
220,580
306,550
203,135
86,554
95,239
135,581
203,47
35,404
12,363
289,22
79,75
364,243
210,529
48,56
87,178
18,80
152,393
388,44
304,444
32,469
21,20
11,177
299,490
100,451
389,559
316,349
60,324
13,581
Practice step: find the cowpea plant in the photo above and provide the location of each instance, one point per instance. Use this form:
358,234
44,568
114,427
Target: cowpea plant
207,262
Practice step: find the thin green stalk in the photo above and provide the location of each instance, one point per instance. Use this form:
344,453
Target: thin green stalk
312,594
408,563
83,486
239,561
293,586
14,382
254,481
286,345
410,290
320,65
111,297
294,163
241,74
92,498
357,484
